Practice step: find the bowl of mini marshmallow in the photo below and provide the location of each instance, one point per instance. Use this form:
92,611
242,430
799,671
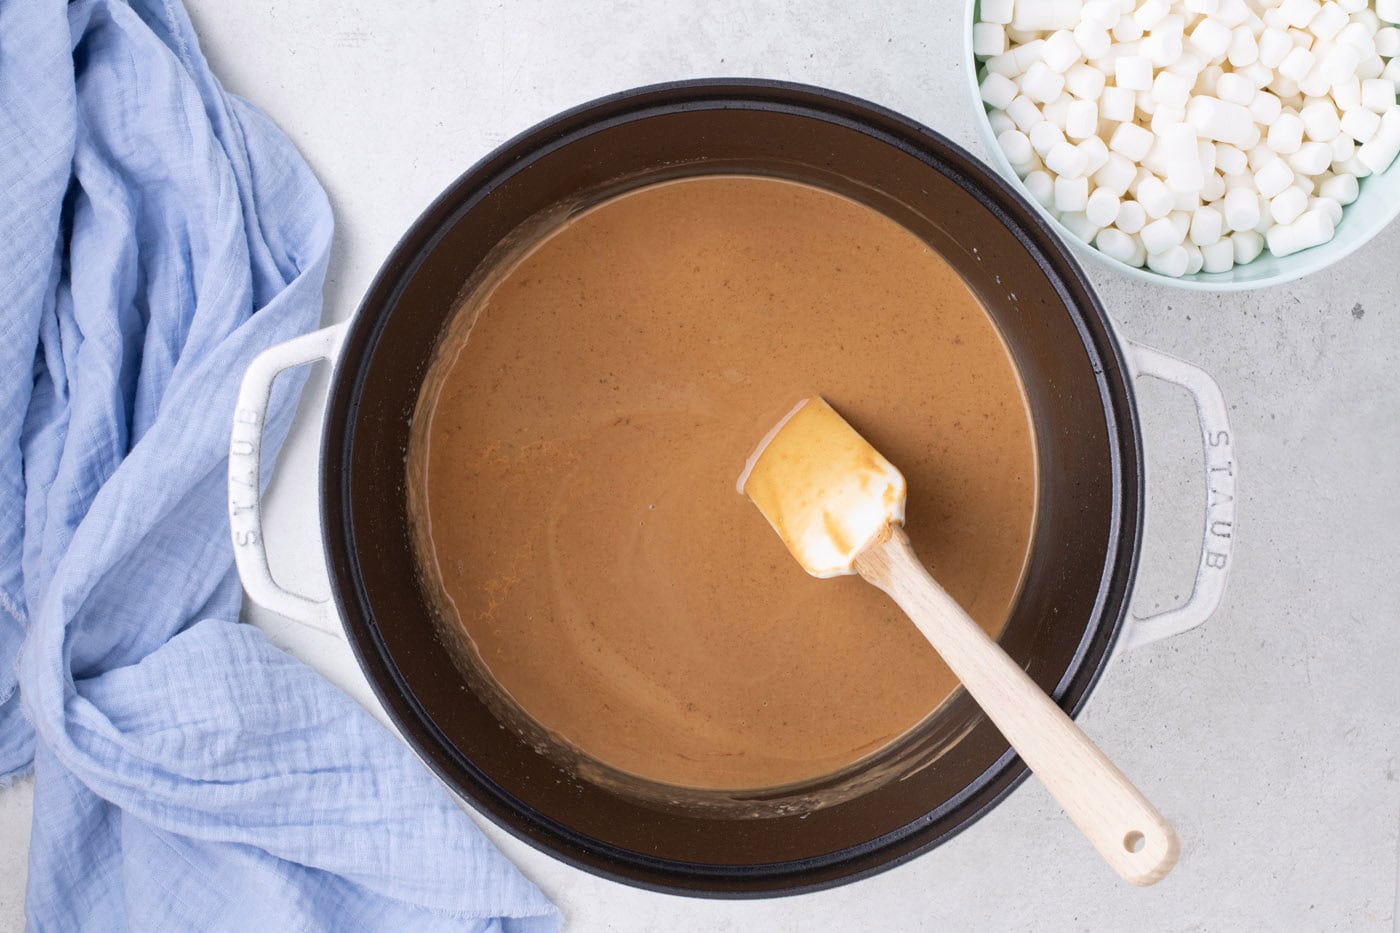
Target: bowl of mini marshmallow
1210,144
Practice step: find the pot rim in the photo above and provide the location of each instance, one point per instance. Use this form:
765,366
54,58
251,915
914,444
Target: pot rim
395,693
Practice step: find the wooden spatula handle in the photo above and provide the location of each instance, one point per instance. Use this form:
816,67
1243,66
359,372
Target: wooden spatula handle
1120,822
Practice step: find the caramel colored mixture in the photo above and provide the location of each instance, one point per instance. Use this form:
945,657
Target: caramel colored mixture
572,477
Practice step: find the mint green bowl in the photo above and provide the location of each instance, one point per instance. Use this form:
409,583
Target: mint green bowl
1377,205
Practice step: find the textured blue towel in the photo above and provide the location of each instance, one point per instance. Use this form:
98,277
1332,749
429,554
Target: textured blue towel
155,234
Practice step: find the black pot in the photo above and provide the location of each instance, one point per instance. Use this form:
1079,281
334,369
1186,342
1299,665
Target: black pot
1079,385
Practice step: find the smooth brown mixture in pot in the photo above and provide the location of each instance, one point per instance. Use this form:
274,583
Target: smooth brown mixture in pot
576,449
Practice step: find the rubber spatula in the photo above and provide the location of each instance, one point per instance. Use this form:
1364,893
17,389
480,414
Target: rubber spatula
838,505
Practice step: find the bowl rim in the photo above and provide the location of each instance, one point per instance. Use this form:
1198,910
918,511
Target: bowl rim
1300,264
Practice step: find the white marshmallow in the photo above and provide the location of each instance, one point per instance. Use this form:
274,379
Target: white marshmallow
1296,64
1041,186
1320,121
1221,121
1328,206
1339,64
1093,40
1218,256
1288,206
1172,89
1134,72
1248,245
1312,228
1115,244
1211,38
1042,83
1328,22
1095,154
1067,161
1286,134
1028,53
1045,15
1184,170
1172,262
1347,95
988,39
1235,89
1115,175
1003,64
1256,74
1044,136
997,11
1061,51
1082,119
1343,148
1214,188
1274,45
1229,159
1127,29
1117,104
1207,223
1024,113
1381,149
1155,197
1085,82
1244,48
1360,124
998,91
1161,49
1101,207
1016,146
1071,194
1131,217
999,122
1265,108
1388,10
1131,141
1387,42
1057,111
1311,159
1340,188
1273,177
1079,226
1377,94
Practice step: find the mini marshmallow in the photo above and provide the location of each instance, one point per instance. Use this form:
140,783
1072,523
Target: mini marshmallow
1127,29
1388,10
1265,108
1173,89
1235,89
1017,147
1115,175
1298,13
1207,80
1094,41
1340,188
1057,111
1218,256
1221,121
1343,148
1079,226
1328,22
1377,94
1071,194
1131,141
1347,95
1151,12
1286,134
1296,64
1117,104
998,91
1312,228
1041,186
1360,124
1061,51
1095,154
1339,64
1155,198
1207,223
997,11
1244,48
1214,188
1381,149
1045,15
1333,209
1067,161
1085,82
1115,244
999,122
1320,121
988,39
1162,49
1024,113
1131,217
1134,72
1387,42
1288,206
1082,120
1248,245
1258,75
1273,177
1274,45
1028,53
1102,207
1042,83
1172,262
1311,159
1184,170
1229,159
1181,220
1044,136
1212,39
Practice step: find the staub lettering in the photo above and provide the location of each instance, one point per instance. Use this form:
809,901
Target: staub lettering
1215,560
1221,529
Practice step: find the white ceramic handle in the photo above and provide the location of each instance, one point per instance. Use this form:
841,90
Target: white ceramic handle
244,468
1217,535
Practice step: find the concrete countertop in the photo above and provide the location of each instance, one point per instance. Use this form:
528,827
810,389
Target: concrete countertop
1270,736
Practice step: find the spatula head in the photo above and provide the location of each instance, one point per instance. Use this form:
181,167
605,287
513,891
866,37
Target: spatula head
823,488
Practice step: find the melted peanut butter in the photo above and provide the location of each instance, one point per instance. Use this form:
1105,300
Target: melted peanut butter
572,478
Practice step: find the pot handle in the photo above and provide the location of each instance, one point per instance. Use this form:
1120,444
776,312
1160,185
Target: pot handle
1217,537
245,467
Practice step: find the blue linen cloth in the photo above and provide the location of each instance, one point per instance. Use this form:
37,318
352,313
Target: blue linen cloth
155,234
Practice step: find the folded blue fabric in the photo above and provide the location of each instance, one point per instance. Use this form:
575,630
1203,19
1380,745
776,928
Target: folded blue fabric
155,234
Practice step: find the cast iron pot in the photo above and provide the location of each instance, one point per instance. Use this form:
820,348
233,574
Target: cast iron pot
1074,607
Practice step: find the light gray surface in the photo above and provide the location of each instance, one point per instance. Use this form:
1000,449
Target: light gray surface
1271,736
